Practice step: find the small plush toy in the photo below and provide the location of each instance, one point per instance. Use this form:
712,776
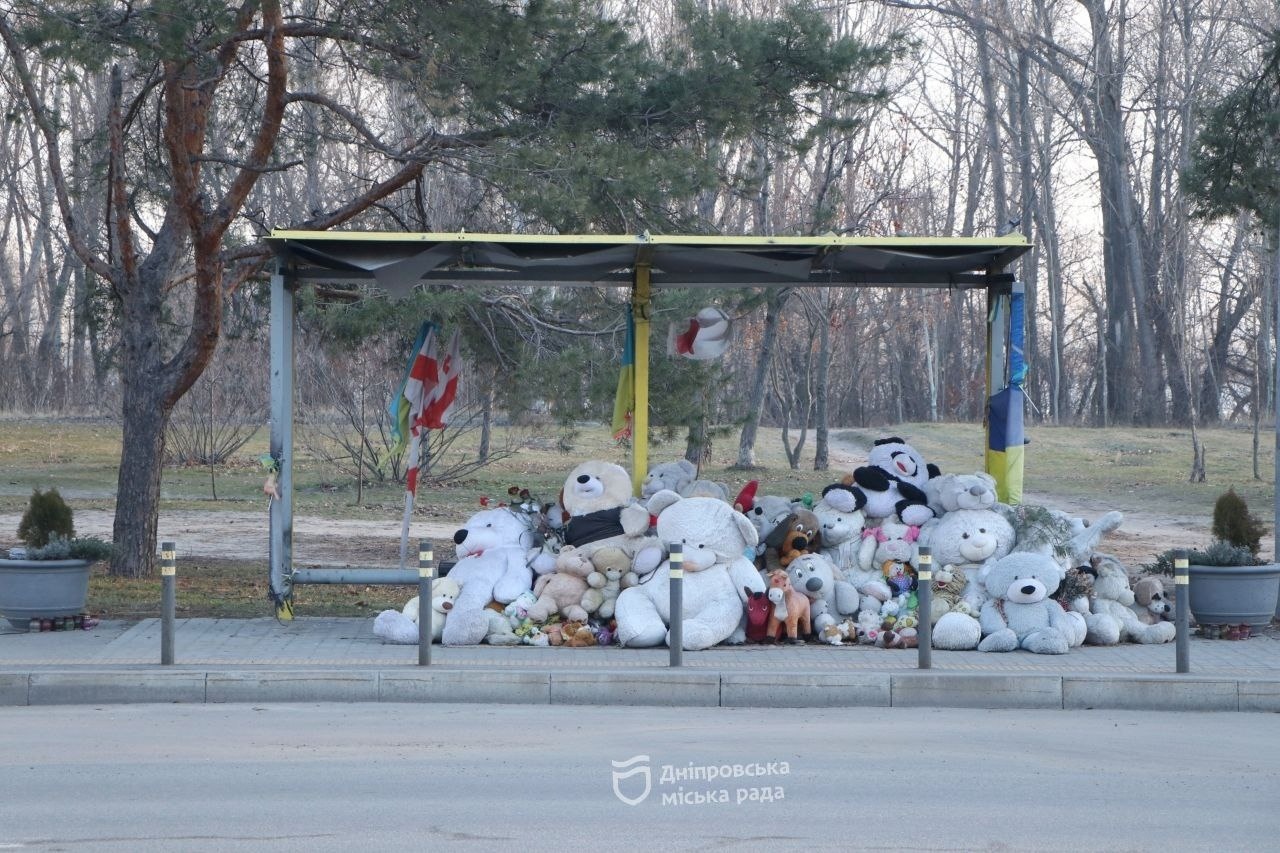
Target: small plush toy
834,635
578,635
494,553
1020,613
950,492
841,534
401,627
867,629
798,534
555,637
791,609
605,581
717,573
1112,619
887,560
831,596
893,482
1152,602
948,593
680,477
758,608
518,610
765,513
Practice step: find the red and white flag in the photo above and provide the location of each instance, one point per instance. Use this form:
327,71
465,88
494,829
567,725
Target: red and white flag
420,388
439,409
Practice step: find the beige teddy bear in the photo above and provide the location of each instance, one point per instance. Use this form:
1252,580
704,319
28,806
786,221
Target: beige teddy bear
611,566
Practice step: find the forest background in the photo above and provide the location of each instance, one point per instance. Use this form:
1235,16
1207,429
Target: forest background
147,148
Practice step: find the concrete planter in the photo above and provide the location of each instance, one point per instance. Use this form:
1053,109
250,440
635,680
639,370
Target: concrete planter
39,589
1232,595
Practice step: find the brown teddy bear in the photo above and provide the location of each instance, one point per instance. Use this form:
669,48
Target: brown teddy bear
577,634
799,533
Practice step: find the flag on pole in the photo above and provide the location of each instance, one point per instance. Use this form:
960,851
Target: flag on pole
418,389
1006,436
624,401
437,411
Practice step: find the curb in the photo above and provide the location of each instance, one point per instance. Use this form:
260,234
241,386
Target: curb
657,687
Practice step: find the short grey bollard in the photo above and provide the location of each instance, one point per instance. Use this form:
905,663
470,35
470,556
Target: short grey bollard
924,601
168,600
426,571
675,637
1182,616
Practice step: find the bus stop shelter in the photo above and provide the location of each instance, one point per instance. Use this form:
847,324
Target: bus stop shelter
396,263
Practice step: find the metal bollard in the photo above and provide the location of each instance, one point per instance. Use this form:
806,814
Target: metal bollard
675,637
168,600
1182,615
924,601
426,571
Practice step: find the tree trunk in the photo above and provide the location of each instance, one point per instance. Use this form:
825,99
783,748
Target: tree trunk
141,464
755,403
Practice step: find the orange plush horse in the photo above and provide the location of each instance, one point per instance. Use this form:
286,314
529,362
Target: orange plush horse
790,609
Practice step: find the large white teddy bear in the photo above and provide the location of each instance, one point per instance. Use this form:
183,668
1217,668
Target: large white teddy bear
603,514
969,540
832,597
495,551
1020,613
1112,618
718,575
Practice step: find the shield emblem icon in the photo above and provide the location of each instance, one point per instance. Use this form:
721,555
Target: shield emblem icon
635,766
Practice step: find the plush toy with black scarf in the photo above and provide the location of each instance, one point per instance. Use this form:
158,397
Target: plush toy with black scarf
602,514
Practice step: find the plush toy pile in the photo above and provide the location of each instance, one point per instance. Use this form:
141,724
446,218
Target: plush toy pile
594,568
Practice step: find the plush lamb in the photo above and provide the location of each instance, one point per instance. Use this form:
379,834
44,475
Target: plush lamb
950,492
833,597
718,575
893,482
841,534
395,626
494,552
605,582
1020,613
1113,620
602,513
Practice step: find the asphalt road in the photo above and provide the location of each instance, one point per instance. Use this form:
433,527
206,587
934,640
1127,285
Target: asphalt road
422,777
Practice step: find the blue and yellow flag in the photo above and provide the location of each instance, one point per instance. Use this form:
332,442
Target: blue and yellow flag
1006,438
624,402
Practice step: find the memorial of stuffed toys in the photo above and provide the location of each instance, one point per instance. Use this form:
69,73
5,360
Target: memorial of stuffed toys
593,568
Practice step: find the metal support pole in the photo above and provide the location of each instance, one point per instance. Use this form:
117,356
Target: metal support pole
924,600
1182,616
168,600
281,533
640,311
999,297
426,570
675,637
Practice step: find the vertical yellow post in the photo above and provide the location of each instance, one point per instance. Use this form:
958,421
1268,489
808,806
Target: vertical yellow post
640,431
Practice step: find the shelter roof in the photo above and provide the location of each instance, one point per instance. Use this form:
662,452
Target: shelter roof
397,262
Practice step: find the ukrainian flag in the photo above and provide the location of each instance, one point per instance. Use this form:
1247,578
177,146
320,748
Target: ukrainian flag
1006,438
624,402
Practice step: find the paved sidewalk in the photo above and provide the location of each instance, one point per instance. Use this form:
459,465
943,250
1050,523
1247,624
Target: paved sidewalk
327,659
